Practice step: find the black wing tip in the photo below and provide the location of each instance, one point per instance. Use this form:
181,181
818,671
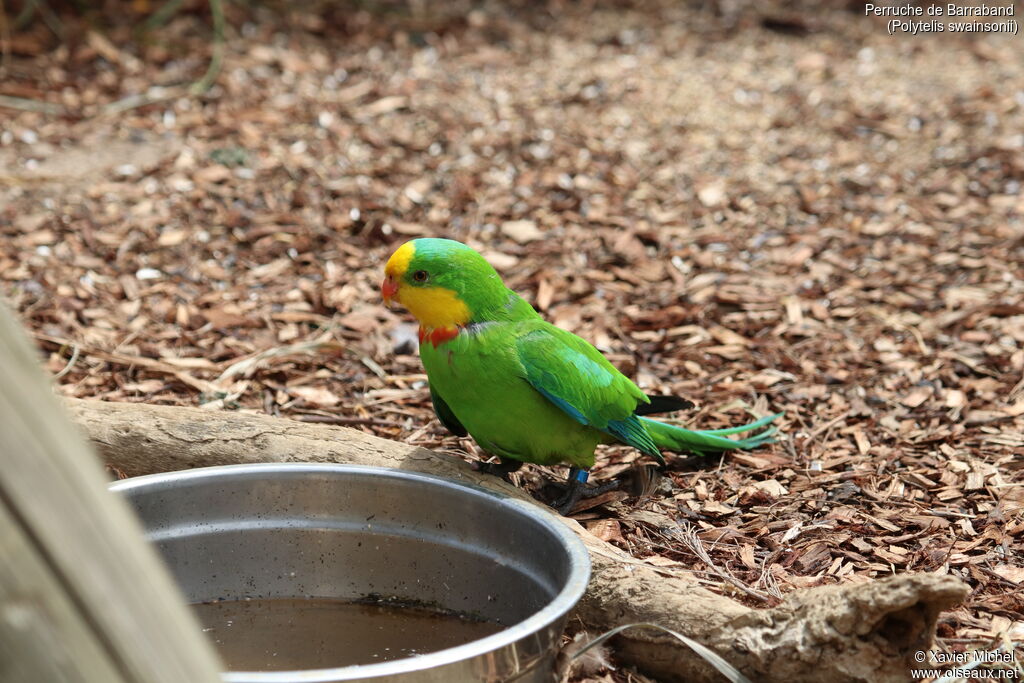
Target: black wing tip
446,416
663,404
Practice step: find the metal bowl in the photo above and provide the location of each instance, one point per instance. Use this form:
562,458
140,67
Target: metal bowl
342,531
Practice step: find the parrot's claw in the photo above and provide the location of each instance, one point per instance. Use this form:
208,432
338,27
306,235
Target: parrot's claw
502,469
576,489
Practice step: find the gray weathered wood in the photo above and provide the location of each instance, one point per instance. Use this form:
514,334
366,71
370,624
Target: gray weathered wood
83,598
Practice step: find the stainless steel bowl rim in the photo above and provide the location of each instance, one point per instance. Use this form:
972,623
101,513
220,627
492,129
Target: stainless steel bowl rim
562,603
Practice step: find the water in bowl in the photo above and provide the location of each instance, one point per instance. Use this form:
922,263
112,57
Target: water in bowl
289,634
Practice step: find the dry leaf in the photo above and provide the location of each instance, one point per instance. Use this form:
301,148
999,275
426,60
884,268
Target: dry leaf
315,395
522,231
501,261
712,195
384,105
713,507
606,530
917,397
212,174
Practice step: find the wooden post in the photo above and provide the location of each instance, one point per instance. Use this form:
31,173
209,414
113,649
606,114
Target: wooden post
83,598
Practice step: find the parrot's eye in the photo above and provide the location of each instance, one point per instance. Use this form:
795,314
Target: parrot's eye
420,276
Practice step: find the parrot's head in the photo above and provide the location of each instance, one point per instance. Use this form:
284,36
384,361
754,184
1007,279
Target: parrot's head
442,282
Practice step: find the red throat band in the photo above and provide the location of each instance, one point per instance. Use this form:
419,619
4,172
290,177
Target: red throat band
439,335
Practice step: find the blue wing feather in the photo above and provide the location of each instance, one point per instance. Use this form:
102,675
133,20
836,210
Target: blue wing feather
563,404
576,378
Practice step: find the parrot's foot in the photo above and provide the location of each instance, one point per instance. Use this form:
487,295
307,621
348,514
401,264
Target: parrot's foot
576,490
499,469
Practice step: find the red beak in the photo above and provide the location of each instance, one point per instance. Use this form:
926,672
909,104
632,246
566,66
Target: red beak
388,289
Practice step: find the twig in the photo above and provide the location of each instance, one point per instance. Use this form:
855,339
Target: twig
828,425
771,584
152,96
162,15
245,367
731,673
374,367
692,541
1018,390
25,16
896,324
50,18
31,105
140,361
5,40
71,363
208,79
337,420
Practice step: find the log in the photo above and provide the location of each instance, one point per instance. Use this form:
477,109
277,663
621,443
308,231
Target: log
852,633
83,597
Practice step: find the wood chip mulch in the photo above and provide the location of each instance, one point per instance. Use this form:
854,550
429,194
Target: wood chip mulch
759,207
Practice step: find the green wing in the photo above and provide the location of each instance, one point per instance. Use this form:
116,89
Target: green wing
445,414
574,376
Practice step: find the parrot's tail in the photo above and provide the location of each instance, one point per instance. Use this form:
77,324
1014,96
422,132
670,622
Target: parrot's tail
707,442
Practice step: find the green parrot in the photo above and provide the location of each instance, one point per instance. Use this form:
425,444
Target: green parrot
525,390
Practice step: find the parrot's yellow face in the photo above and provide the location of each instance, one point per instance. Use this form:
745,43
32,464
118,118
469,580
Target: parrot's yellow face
418,284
